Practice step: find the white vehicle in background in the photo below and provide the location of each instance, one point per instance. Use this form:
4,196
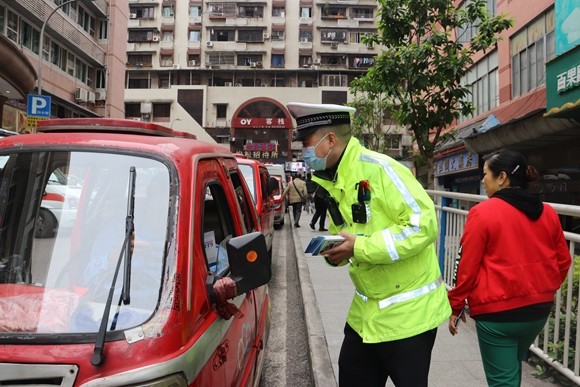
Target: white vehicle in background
59,201
59,205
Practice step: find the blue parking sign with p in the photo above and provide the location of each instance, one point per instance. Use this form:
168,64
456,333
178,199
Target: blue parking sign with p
38,105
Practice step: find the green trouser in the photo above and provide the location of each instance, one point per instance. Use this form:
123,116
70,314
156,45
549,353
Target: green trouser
503,346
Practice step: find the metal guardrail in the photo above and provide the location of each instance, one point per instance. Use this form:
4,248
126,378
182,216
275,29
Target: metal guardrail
559,343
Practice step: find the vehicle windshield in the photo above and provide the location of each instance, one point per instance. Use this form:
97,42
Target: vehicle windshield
62,229
248,173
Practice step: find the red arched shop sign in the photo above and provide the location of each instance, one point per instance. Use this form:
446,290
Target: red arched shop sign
261,113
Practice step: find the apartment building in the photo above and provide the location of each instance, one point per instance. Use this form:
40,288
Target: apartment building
228,68
509,92
82,67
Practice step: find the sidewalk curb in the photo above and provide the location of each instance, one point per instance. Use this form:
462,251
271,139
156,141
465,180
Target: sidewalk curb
322,372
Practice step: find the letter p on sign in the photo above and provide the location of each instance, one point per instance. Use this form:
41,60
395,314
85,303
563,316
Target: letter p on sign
38,106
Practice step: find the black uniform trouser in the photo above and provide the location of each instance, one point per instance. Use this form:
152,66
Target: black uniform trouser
405,361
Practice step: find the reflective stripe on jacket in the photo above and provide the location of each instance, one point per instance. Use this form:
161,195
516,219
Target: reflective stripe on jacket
399,292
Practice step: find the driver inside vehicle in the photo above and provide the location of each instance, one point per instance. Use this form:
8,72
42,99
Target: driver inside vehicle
147,243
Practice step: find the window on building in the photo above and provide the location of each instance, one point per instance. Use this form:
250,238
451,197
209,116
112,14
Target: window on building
337,36
12,26
194,10
361,13
305,36
194,35
357,37
103,29
468,31
531,48
250,35
216,35
306,12
248,59
167,11
165,60
392,141
100,78
221,9
162,110
143,12
139,60
138,83
362,62
164,80
220,58
333,12
86,21
305,60
482,79
167,36
277,60
29,37
278,12
334,80
70,64
80,70
277,35
221,110
138,36
2,20
132,110
251,11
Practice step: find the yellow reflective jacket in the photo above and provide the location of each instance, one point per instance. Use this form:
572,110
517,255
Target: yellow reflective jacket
399,290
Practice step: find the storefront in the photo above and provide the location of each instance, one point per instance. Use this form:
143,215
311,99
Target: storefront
261,130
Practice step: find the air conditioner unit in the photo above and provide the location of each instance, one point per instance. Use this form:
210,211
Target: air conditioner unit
146,108
91,97
81,95
155,38
253,64
259,64
209,43
100,95
176,66
316,61
266,36
229,84
334,45
132,16
192,63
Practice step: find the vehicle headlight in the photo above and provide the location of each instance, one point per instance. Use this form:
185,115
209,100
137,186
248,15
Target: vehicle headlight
167,381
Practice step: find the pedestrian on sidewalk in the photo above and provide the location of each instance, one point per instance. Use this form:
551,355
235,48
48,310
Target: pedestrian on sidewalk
296,192
389,225
320,207
310,188
513,259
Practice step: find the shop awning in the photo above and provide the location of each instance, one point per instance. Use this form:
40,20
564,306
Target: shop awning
526,132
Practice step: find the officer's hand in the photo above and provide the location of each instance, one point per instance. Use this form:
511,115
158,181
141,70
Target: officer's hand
342,252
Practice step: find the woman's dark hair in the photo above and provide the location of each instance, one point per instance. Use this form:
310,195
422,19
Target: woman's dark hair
514,164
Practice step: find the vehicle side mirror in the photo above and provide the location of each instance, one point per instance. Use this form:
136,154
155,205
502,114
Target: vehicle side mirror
273,186
249,261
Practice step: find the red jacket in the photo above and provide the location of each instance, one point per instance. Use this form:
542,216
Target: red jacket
509,260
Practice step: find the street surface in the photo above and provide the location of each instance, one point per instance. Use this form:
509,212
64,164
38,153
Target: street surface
287,362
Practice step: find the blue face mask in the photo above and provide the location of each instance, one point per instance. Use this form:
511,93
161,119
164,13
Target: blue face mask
313,161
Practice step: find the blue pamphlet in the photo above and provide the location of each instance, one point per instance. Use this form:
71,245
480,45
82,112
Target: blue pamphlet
323,242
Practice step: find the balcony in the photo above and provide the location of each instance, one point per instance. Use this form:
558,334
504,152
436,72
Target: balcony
195,20
278,45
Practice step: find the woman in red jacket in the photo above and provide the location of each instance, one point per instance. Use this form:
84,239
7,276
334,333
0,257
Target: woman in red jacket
513,258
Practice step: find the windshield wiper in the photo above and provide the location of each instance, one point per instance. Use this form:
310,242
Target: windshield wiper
98,358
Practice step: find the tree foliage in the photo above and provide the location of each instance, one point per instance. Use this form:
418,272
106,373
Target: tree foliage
369,121
422,63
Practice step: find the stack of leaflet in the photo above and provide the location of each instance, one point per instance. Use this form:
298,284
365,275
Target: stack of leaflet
322,243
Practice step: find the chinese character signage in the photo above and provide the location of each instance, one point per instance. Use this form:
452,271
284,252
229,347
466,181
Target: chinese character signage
252,122
261,150
563,85
460,162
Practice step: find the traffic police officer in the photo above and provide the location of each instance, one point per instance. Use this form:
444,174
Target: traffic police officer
389,225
